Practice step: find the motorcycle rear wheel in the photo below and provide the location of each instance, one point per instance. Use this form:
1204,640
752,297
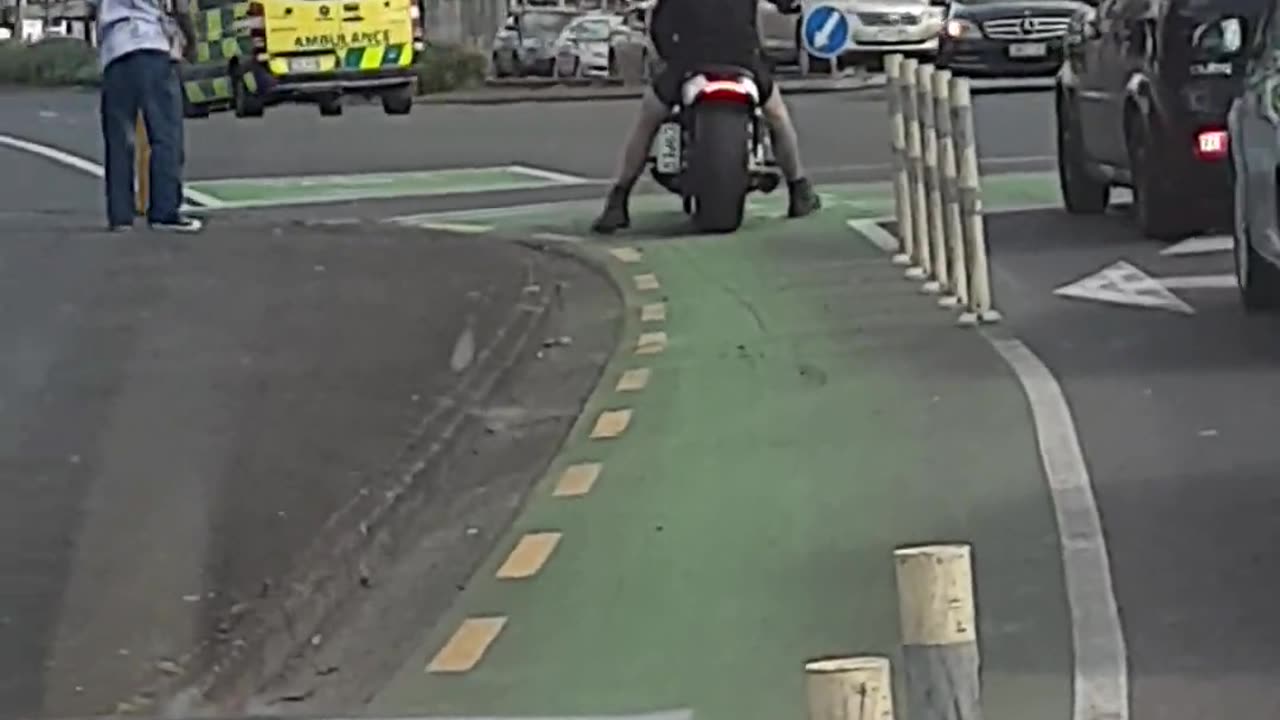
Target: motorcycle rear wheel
719,167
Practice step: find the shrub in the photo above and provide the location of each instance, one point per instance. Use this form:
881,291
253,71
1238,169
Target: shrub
449,67
50,62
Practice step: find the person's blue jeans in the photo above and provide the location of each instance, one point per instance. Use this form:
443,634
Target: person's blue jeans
146,81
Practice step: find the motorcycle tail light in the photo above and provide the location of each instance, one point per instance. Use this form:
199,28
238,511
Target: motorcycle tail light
1211,144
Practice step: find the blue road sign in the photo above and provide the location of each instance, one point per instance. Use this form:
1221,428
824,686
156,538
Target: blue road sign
826,31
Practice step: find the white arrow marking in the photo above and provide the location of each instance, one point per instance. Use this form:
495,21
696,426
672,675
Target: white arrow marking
1124,284
1226,281
1200,245
824,33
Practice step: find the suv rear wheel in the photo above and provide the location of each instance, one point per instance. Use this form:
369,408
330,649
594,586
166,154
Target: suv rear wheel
1082,192
1154,206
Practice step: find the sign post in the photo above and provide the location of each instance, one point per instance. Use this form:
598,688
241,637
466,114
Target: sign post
826,30
142,167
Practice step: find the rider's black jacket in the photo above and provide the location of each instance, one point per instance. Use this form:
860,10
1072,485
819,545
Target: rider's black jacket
688,33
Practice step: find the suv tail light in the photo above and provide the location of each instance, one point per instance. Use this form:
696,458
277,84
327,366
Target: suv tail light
1211,144
415,14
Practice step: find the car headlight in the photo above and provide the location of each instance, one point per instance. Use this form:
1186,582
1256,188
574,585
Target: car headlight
961,28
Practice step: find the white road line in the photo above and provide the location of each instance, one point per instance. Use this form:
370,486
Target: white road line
1200,246
662,715
1101,672
1101,689
558,237
878,236
553,176
88,166
996,161
1225,281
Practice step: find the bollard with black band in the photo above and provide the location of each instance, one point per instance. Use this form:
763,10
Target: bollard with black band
919,268
956,291
898,151
936,258
968,184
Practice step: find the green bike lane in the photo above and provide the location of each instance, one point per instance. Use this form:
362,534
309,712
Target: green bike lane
809,412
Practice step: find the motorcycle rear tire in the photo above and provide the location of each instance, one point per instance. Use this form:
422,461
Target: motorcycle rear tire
719,164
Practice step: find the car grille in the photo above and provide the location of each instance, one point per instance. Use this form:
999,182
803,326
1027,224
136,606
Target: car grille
1030,27
888,18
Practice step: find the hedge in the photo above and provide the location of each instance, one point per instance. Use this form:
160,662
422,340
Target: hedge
66,61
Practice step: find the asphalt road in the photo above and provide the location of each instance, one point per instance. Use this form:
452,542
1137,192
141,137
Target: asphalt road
842,135
196,431
1176,412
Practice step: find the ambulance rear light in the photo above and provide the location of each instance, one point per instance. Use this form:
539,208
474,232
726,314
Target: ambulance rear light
1211,144
256,22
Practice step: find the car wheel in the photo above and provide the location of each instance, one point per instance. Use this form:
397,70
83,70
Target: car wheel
330,105
1257,278
1154,208
1082,192
398,101
244,103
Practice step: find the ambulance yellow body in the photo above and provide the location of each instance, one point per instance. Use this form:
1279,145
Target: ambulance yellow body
251,55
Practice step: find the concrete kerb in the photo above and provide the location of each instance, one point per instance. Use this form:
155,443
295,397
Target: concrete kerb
547,93
938,197
360,542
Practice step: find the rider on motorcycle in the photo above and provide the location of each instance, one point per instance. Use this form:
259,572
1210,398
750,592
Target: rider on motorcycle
687,34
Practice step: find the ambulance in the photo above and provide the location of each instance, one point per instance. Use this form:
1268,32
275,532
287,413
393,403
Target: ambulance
252,55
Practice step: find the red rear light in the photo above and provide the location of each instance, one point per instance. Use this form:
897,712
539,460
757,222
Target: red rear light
1211,145
731,93
256,22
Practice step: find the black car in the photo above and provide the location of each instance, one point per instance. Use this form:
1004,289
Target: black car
1142,102
1005,37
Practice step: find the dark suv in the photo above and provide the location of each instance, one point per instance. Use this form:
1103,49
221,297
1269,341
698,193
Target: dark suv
1142,102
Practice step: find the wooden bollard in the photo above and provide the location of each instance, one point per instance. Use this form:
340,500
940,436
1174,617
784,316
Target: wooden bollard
142,167
939,632
849,688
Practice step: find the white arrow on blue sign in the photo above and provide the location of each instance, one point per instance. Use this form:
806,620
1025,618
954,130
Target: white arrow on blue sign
826,31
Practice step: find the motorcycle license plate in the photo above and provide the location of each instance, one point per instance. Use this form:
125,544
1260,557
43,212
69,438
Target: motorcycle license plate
667,149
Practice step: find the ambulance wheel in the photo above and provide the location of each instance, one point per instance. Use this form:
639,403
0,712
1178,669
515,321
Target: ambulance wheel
192,111
244,103
398,101
331,106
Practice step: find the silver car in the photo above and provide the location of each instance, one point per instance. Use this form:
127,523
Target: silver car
583,49
525,44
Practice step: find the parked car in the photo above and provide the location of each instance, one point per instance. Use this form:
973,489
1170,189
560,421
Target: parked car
1142,102
582,50
1254,131
779,33
1006,37
633,35
525,44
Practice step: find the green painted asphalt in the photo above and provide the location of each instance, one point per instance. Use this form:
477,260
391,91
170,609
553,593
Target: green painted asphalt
263,192
812,412
658,214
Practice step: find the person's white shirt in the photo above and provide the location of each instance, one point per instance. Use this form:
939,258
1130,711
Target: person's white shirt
126,26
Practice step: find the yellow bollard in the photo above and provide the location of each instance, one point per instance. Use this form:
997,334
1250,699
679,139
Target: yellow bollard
142,167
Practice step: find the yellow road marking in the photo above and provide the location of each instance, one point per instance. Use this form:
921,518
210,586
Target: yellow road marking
611,424
651,343
653,312
456,227
468,645
578,479
648,281
529,555
633,380
626,254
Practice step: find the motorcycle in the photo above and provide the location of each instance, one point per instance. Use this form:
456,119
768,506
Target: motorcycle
715,148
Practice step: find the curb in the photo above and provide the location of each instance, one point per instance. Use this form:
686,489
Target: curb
553,92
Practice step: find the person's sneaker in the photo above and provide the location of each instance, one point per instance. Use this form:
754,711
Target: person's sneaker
615,215
120,228
181,225
804,200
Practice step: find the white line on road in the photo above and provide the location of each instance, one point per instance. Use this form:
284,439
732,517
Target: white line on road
1225,281
1200,246
1101,672
552,175
88,166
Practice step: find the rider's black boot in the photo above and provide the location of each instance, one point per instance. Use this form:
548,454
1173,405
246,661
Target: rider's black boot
615,215
804,199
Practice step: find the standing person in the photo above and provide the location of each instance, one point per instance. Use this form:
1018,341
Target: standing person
138,41
686,34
